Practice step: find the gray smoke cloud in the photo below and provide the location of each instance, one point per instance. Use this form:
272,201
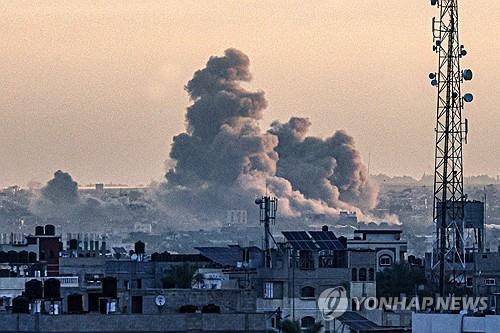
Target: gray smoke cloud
61,190
60,199
330,169
224,160
223,139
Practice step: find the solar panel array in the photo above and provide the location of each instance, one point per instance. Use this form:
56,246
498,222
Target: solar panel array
358,323
314,240
226,256
300,240
326,240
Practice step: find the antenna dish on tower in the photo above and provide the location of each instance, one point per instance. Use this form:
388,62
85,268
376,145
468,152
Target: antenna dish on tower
468,97
467,74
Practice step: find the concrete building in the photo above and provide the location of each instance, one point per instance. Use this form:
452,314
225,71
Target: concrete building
307,264
97,323
386,241
483,277
454,323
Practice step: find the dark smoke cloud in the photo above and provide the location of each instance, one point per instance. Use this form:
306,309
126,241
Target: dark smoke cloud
223,140
224,160
61,200
61,190
330,170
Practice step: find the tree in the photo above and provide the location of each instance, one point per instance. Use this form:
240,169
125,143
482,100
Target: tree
179,276
399,279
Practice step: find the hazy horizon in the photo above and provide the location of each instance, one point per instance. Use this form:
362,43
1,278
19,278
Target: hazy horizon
98,90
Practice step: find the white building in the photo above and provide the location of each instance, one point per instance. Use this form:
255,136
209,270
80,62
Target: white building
386,241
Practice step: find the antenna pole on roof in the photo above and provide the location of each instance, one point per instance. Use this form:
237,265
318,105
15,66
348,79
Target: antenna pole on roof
268,207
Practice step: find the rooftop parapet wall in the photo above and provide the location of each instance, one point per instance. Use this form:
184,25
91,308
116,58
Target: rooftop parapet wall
96,323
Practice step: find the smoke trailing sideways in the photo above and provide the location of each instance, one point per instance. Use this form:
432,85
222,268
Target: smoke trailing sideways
224,160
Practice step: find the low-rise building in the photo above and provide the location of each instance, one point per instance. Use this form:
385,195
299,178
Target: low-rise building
386,241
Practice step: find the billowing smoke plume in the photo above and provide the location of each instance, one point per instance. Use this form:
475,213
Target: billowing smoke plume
223,140
61,190
224,160
60,200
328,169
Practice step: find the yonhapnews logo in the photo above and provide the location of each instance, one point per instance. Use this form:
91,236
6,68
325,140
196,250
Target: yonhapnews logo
333,302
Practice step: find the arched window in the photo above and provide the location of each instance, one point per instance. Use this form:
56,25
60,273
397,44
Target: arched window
307,292
362,274
371,274
354,274
307,322
385,260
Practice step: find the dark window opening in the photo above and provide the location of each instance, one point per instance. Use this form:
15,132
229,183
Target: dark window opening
136,304
371,274
362,274
354,276
307,322
307,292
306,260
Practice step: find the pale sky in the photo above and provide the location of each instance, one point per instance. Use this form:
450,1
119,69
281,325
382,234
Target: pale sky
96,87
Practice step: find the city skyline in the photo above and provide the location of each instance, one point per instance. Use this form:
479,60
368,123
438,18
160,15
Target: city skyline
98,91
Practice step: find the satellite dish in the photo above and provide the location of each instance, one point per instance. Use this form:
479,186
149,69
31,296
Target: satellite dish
467,74
434,82
432,76
468,97
160,300
434,2
133,257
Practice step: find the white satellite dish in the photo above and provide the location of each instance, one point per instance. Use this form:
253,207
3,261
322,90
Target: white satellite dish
133,257
160,300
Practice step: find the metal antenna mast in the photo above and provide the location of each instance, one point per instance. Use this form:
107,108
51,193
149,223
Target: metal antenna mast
268,207
448,262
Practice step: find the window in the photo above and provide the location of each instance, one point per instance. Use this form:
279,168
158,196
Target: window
268,290
126,284
306,260
362,274
371,274
136,304
326,259
307,292
273,290
307,322
469,282
385,260
139,283
490,281
354,274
